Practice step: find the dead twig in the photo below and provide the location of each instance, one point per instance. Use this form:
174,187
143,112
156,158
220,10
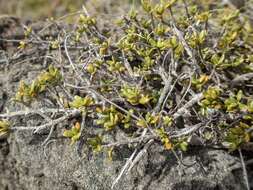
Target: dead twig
245,174
189,104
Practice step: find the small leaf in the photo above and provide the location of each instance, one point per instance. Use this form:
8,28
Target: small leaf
167,144
22,45
144,99
75,138
110,153
239,95
95,143
250,106
141,123
74,133
183,146
68,133
167,120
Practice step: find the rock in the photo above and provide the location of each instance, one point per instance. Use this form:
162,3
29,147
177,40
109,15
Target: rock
24,166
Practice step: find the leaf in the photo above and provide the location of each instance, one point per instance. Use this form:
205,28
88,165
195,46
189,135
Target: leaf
3,134
110,153
4,125
91,68
174,42
74,133
144,99
167,144
203,78
239,95
242,107
247,137
170,3
75,138
132,14
159,9
80,102
203,17
250,106
244,125
131,94
146,5
28,31
68,133
153,119
77,126
22,45
167,120
141,123
95,143
202,36
183,146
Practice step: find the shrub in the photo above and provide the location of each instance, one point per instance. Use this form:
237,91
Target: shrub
160,76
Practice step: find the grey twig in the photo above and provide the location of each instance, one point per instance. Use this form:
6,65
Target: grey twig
245,175
32,111
242,78
56,121
165,91
189,104
129,161
140,155
189,51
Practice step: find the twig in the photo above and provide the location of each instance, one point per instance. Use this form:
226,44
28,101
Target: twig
139,155
189,104
187,48
169,93
187,90
105,99
242,78
245,175
129,161
70,60
56,121
185,131
127,65
130,141
38,129
165,91
31,111
45,146
49,135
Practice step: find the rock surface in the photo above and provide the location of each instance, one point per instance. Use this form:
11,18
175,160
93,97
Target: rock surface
24,164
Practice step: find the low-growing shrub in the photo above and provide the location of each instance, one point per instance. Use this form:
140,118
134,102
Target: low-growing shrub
172,70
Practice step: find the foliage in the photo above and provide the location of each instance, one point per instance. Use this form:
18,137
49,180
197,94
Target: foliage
164,138
26,93
4,128
74,133
80,102
134,95
159,73
236,136
108,117
95,143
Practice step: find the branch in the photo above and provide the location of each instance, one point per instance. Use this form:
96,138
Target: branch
187,48
165,91
189,104
31,111
56,121
40,128
245,175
